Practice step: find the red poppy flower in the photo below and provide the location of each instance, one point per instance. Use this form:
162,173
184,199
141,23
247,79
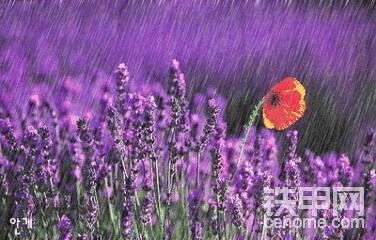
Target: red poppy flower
284,104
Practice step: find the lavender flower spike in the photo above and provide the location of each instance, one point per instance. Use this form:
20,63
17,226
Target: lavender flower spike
194,210
50,165
217,178
148,202
292,169
65,227
210,123
122,78
127,221
90,203
176,88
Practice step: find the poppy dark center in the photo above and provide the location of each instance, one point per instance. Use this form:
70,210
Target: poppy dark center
274,99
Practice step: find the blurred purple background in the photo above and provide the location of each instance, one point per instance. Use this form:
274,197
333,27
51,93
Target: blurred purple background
241,48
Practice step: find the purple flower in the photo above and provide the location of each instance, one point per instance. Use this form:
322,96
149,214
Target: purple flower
268,153
24,202
344,171
176,82
243,179
127,221
292,174
50,169
149,129
194,205
176,89
197,231
65,228
31,143
214,216
118,148
4,183
261,181
147,204
137,143
237,211
210,124
7,131
90,209
217,180
292,170
122,78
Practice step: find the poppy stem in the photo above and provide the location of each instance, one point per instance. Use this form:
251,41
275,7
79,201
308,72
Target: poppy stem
251,122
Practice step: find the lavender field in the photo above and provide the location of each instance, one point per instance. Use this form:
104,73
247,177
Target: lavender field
163,119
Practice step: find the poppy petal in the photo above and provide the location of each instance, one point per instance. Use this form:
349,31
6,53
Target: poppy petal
267,122
284,104
287,84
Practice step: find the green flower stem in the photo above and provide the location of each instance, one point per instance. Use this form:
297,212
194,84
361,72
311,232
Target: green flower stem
170,178
263,232
139,226
219,217
251,122
110,209
167,210
183,211
158,197
198,169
